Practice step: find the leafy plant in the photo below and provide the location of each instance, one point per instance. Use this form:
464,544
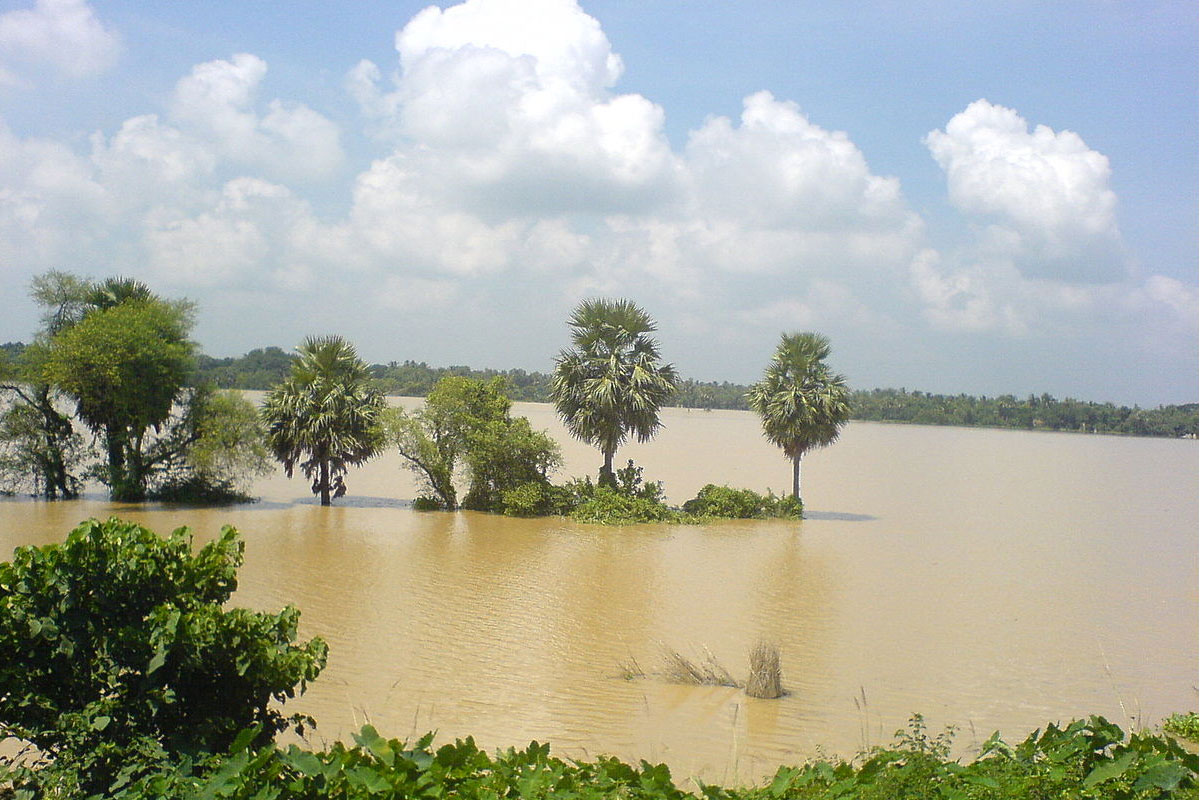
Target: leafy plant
1186,725
117,650
727,503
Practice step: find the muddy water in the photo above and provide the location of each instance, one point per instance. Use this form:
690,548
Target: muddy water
988,579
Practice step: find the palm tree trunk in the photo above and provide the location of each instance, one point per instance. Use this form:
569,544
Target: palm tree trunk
796,477
607,476
325,482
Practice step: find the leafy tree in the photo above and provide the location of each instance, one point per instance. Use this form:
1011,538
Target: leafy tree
613,382
465,425
213,447
125,365
40,451
117,648
325,413
801,402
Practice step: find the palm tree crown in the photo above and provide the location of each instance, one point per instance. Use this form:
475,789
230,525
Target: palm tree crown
612,383
802,403
326,413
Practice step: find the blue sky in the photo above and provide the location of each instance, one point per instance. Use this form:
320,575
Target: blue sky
980,197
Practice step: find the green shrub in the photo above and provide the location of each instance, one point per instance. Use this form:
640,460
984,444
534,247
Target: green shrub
116,649
195,490
724,502
612,507
527,500
1086,760
1186,725
428,504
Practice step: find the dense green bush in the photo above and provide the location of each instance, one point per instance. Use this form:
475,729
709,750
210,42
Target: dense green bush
724,502
116,650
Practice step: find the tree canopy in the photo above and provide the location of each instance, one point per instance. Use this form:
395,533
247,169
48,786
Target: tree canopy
466,426
612,383
325,416
802,403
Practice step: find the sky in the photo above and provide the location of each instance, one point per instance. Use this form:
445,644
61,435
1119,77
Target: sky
986,197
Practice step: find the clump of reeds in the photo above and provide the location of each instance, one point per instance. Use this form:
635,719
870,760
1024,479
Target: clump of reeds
678,668
766,675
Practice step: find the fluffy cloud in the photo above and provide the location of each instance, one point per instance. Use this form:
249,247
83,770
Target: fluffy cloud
1045,194
508,102
216,104
64,35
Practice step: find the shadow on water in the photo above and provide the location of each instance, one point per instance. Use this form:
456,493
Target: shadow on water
839,516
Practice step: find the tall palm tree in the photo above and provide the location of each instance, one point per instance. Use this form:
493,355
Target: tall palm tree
802,403
326,413
612,383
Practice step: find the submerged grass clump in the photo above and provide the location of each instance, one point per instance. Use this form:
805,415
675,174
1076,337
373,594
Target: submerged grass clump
678,668
766,674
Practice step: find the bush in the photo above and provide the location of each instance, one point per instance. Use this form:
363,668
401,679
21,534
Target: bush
195,490
612,507
527,500
117,650
727,503
1186,726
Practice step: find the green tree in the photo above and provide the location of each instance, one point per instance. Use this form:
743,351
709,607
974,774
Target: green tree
211,449
466,425
117,648
125,365
325,416
613,382
40,451
801,402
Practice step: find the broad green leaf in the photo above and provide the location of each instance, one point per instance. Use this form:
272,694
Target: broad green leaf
1109,769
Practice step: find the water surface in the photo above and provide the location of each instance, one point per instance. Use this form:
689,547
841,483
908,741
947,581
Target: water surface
987,579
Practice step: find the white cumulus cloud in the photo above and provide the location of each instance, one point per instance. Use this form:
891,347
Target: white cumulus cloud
64,35
217,103
1044,195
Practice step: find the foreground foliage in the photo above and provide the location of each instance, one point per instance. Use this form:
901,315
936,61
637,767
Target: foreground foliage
1086,759
1186,726
118,654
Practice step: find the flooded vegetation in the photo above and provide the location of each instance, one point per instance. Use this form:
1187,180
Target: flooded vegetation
988,579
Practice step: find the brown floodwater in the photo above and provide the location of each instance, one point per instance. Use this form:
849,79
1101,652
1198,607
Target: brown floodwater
986,579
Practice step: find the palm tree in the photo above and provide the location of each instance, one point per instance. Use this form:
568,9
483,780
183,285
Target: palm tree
326,413
801,402
612,383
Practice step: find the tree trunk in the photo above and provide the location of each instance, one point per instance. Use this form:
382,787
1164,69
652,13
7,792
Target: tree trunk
325,482
796,477
607,476
119,485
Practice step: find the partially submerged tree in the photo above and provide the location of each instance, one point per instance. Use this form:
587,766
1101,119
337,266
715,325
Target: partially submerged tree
466,426
611,385
125,366
802,403
120,355
325,416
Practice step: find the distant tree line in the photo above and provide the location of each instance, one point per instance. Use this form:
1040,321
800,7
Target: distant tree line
261,369
264,367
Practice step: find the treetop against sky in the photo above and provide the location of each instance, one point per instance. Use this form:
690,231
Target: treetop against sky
988,197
